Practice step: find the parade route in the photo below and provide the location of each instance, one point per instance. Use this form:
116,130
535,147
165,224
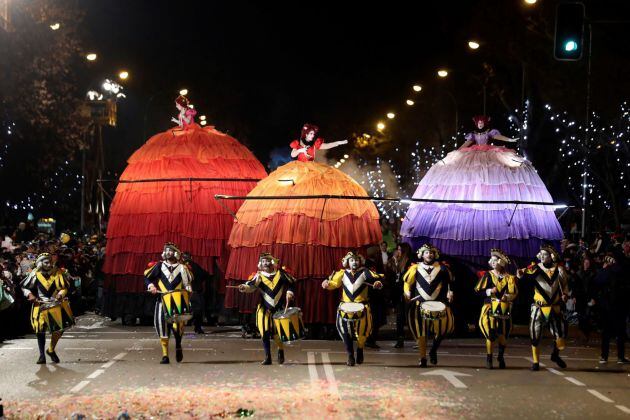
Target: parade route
109,367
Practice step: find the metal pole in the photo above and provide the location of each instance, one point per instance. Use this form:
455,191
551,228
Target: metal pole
587,120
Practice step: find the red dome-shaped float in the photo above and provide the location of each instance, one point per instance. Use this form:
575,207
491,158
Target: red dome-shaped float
166,194
309,236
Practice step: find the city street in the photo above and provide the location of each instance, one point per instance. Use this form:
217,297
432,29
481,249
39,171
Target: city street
108,369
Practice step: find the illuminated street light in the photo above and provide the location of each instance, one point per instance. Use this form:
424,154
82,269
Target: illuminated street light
410,102
203,122
91,57
391,115
442,73
346,156
473,45
202,117
530,2
417,88
380,126
55,26
342,160
183,92
123,75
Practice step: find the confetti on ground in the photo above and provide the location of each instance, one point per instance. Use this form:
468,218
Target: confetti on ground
401,400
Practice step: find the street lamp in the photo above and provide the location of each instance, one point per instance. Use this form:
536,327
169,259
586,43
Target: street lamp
123,75
183,92
380,126
473,45
55,26
90,56
410,102
417,88
391,115
531,2
442,73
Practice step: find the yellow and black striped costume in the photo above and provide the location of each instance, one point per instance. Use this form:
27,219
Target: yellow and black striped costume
428,283
354,290
550,283
495,328
45,287
273,288
167,277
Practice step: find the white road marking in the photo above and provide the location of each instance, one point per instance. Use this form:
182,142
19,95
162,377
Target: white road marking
16,348
79,348
312,369
78,387
556,372
623,408
600,395
108,364
119,356
315,350
449,375
330,376
96,373
574,381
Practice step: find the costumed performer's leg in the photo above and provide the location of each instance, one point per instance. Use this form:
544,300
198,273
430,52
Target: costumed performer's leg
178,333
487,329
162,330
263,323
536,322
363,331
54,339
558,327
419,328
441,328
345,330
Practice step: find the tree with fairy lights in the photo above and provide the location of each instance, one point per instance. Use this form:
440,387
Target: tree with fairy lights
602,150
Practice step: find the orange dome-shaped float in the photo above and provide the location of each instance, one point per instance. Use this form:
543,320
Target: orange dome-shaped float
309,235
166,194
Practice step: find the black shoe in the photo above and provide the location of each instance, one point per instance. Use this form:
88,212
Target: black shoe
199,331
501,361
179,354
400,343
603,360
623,361
555,357
165,360
488,361
433,357
535,367
53,356
359,356
423,362
267,360
280,357
41,360
500,358
350,361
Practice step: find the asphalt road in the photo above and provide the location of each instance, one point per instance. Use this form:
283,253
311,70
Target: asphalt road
108,369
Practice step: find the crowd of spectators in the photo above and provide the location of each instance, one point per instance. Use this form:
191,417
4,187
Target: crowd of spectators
82,257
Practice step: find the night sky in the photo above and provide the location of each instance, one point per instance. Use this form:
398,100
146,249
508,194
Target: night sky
260,70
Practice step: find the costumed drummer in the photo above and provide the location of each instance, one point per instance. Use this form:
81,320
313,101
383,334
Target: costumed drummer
166,276
47,286
499,290
427,285
354,318
551,291
276,288
305,148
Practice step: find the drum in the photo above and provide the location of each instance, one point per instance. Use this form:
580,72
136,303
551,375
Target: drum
55,315
351,311
289,325
176,306
500,309
432,310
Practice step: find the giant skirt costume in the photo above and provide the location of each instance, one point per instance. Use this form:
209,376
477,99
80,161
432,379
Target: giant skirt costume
166,194
308,236
469,231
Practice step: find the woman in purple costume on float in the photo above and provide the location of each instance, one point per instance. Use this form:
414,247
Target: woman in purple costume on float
479,171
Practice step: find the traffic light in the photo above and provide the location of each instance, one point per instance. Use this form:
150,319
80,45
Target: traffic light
569,37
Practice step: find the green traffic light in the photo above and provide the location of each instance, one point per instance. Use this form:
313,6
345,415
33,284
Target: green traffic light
570,46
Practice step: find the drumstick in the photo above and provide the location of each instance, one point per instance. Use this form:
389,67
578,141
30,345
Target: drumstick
286,306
